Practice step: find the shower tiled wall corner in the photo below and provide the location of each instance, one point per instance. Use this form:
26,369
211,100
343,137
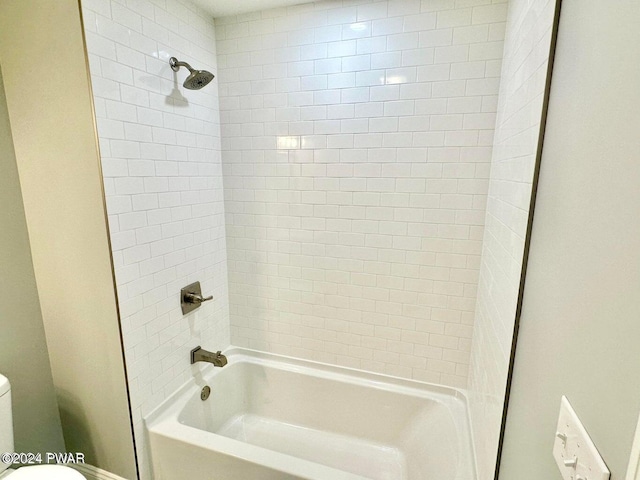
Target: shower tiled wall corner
160,148
357,139
527,42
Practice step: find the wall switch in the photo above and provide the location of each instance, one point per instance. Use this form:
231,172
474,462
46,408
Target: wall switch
573,449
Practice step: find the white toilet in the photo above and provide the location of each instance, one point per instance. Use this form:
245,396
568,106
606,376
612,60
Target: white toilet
33,472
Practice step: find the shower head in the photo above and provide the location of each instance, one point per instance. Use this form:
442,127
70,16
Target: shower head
196,79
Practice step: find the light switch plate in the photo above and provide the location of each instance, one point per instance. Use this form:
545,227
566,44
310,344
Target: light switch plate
573,449
633,471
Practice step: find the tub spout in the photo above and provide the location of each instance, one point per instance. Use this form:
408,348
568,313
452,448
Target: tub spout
200,355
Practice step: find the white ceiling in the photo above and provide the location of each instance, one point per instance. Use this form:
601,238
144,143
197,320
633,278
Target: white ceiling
222,8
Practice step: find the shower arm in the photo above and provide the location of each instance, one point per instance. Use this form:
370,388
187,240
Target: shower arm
175,64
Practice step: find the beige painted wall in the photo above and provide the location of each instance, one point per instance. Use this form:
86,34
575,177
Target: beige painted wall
50,107
580,323
23,348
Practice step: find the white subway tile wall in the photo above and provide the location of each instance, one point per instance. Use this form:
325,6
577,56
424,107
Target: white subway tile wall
356,150
356,145
160,146
527,43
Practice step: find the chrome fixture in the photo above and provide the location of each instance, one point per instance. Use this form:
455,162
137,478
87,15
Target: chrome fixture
196,79
200,355
191,297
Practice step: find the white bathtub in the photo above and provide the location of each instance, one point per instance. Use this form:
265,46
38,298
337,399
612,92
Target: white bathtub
277,418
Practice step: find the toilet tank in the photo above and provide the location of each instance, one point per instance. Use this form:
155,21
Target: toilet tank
6,420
